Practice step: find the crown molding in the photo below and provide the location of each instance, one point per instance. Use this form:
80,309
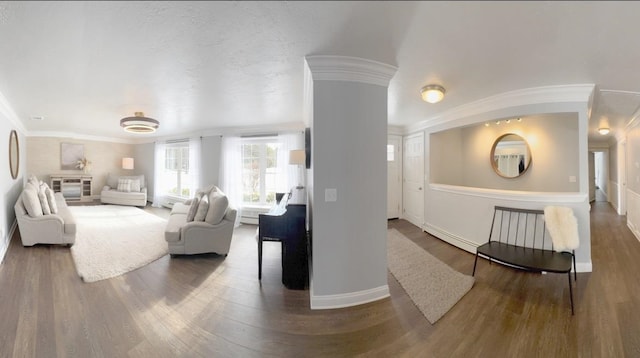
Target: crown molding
350,69
580,93
72,135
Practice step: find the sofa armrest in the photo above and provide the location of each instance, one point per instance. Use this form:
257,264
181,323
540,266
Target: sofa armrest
143,190
53,219
202,225
106,187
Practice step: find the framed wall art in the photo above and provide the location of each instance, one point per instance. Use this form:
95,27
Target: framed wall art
70,154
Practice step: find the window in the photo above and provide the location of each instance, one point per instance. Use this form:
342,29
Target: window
176,170
259,171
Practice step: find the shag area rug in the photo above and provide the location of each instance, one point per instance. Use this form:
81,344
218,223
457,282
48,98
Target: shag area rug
432,285
112,240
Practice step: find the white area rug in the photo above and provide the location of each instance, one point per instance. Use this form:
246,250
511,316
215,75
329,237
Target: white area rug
433,286
112,240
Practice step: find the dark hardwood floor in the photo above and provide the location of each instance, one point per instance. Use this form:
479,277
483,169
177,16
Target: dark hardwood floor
210,306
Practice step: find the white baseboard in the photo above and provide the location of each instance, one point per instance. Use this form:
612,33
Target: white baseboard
584,267
6,241
348,299
454,240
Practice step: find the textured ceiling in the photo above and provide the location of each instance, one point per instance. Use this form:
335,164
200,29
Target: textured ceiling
202,66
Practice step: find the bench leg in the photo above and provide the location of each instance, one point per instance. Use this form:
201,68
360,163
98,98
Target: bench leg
474,265
570,292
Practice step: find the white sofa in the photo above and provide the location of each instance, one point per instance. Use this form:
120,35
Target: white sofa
208,230
35,226
135,195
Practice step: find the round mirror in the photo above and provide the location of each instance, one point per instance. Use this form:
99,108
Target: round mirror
14,154
510,156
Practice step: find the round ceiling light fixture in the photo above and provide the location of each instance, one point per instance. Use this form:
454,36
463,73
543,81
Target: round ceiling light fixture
432,93
139,124
603,130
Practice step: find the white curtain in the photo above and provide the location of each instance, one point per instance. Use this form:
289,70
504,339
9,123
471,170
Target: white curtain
288,174
159,183
195,163
231,172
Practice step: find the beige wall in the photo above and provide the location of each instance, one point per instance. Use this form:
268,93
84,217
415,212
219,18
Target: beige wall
552,138
106,157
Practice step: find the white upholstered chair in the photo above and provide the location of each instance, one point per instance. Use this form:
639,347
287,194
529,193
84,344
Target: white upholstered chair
203,224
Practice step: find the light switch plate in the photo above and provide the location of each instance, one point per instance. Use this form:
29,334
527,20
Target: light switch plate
572,179
330,195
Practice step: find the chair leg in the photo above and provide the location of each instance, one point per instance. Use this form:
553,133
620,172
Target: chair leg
259,259
474,265
575,272
570,292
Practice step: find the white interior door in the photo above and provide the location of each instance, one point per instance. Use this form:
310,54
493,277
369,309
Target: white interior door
394,175
413,179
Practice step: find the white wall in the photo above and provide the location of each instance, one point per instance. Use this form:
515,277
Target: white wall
633,180
11,188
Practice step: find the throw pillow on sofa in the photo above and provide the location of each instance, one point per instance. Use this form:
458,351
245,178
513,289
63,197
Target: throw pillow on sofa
135,185
42,197
218,204
124,185
51,199
193,208
203,207
31,201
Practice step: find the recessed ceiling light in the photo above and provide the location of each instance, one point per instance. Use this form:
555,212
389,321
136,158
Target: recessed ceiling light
37,118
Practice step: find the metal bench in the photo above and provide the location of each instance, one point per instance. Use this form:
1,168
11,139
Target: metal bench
518,238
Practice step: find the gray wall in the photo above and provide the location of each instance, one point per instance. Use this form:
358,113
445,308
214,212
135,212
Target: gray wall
144,157
349,135
552,138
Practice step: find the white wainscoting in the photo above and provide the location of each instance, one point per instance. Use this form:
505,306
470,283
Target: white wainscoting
321,302
462,216
633,212
614,194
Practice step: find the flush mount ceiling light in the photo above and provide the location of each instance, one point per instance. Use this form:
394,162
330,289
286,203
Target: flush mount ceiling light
139,124
432,93
603,130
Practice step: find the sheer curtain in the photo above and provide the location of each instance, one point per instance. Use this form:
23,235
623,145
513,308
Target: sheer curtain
231,172
195,163
160,187
287,173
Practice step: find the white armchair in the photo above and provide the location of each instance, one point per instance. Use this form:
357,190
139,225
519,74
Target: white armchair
201,225
135,194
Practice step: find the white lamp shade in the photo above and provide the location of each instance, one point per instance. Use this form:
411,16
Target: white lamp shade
127,163
297,157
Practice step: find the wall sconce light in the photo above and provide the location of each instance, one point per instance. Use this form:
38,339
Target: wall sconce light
127,163
432,93
603,130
